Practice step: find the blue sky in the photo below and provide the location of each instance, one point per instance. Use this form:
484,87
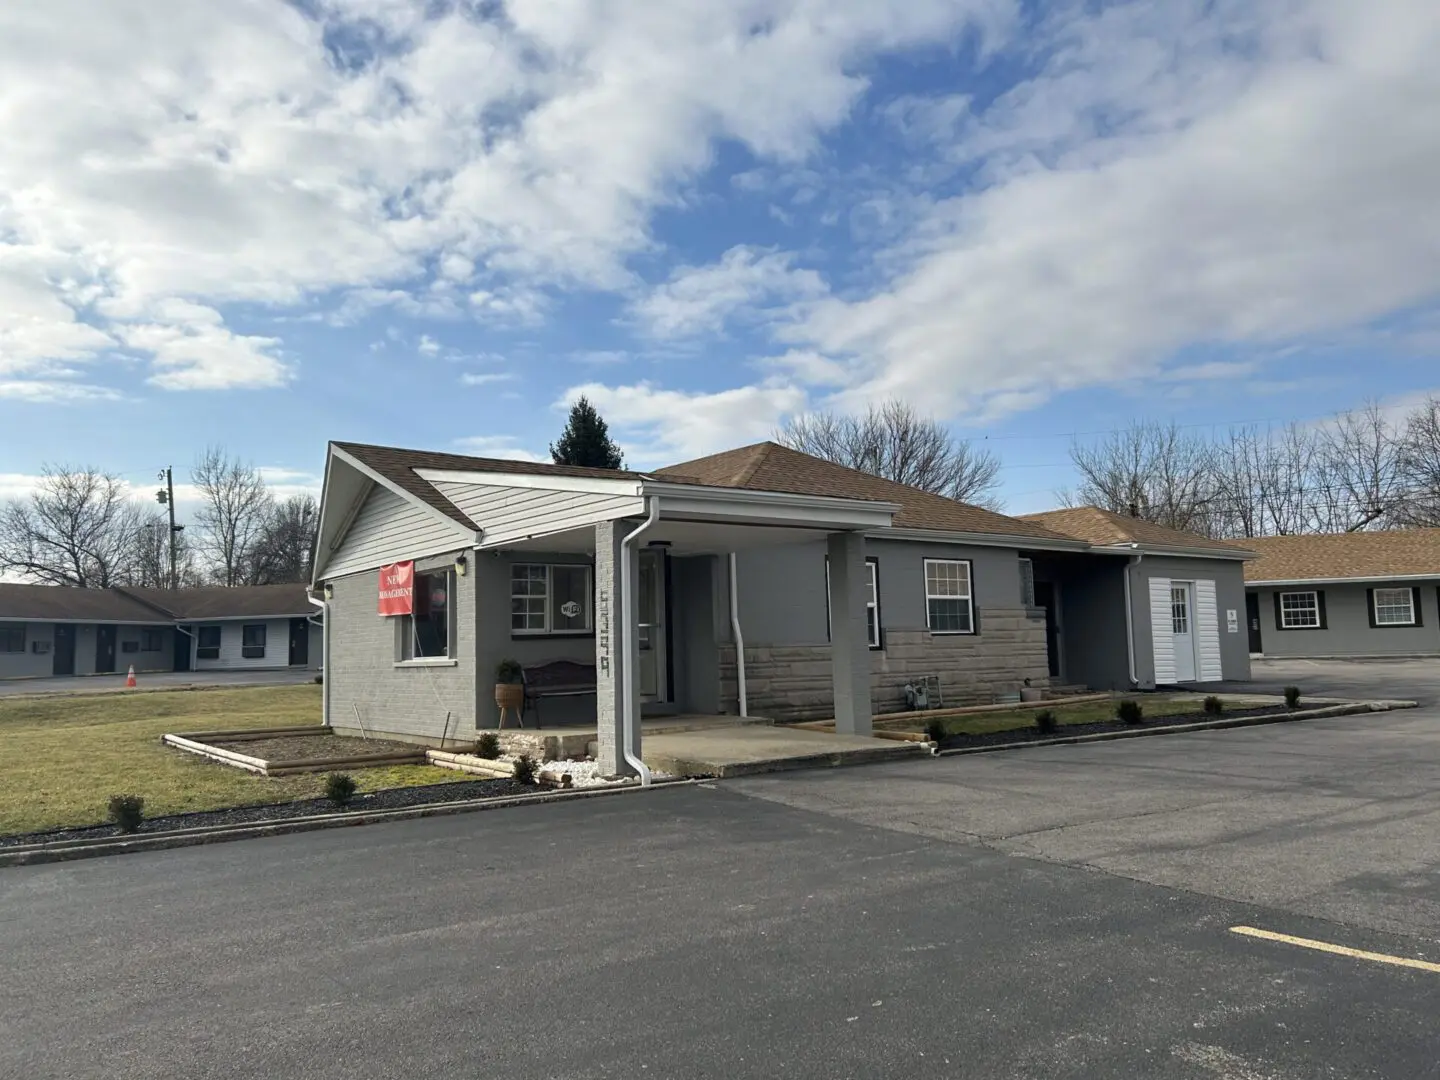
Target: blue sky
432,224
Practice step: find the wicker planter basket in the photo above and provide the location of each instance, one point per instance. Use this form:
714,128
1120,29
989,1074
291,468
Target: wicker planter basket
510,695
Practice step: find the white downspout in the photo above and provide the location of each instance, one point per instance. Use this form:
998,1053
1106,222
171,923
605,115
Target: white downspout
739,637
1135,561
324,606
629,621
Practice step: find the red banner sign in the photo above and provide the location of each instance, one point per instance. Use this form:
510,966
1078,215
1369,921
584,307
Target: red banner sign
397,589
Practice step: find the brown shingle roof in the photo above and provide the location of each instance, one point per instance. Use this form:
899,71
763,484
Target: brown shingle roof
56,603
769,466
224,602
1104,528
1336,557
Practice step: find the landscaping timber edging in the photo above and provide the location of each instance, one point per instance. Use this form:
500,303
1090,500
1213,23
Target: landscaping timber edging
291,767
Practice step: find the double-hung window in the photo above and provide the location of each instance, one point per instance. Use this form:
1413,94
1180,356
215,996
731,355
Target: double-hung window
152,641
949,600
252,641
1299,611
12,637
426,633
551,598
207,643
1393,607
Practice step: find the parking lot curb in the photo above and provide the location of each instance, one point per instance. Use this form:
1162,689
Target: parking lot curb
1181,729
66,850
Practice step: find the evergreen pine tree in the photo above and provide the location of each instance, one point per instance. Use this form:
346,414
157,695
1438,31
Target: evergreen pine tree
586,440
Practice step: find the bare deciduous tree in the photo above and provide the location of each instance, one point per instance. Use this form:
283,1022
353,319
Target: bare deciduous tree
78,529
234,507
1361,470
285,549
1154,471
1420,462
893,441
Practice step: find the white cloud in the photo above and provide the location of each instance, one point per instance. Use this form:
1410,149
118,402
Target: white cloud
1179,174
656,426
600,357
428,346
506,447
702,299
164,150
485,378
54,391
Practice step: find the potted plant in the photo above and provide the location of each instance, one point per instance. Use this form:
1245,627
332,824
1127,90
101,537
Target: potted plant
509,685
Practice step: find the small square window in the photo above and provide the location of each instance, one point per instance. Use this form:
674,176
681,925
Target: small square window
1299,611
152,640
12,637
425,634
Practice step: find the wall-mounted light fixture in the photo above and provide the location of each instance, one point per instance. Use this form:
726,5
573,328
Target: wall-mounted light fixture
329,591
460,566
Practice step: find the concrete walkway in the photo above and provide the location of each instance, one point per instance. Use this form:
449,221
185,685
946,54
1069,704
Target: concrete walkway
732,750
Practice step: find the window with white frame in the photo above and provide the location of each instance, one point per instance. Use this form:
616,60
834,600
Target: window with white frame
1180,609
1394,607
949,605
873,631
1299,611
551,598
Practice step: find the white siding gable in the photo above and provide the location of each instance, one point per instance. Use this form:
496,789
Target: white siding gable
388,529
1207,622
1162,630
507,514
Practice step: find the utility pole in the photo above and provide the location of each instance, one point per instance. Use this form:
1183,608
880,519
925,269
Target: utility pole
166,497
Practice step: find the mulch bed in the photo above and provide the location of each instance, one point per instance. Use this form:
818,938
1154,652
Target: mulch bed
1034,734
392,799
315,747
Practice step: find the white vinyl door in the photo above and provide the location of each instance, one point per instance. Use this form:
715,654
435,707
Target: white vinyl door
651,609
1182,626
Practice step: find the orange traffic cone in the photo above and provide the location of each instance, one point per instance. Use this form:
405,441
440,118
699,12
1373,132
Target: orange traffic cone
130,678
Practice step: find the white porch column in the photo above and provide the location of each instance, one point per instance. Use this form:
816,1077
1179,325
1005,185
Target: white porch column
849,642
610,650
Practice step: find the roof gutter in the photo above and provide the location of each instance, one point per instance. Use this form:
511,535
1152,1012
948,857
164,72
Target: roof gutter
629,695
1343,581
1135,560
936,536
1235,554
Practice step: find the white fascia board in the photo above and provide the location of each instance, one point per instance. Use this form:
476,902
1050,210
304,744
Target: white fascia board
1435,577
741,505
933,536
1176,552
594,485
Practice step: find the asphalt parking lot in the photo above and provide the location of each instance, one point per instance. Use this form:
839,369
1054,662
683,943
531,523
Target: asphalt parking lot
1046,913
99,684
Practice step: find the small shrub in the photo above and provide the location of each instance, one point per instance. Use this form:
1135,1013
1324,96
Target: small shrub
319,679
1292,696
127,811
935,729
525,769
340,788
1045,721
509,672
488,746
1214,706
1130,712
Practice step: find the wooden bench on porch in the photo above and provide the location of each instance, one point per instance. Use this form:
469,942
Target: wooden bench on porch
556,678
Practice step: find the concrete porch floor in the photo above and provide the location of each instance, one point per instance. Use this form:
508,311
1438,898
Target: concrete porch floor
697,745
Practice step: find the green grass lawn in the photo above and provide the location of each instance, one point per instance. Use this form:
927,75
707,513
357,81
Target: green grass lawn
62,757
1089,712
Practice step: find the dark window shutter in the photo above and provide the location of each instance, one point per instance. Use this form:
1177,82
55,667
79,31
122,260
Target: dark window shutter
1419,610
1320,603
1279,619
1370,607
974,616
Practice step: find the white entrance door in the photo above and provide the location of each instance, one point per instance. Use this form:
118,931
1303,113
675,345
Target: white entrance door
651,610
1182,623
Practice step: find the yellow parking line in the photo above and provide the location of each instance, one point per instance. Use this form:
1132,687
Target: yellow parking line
1338,950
